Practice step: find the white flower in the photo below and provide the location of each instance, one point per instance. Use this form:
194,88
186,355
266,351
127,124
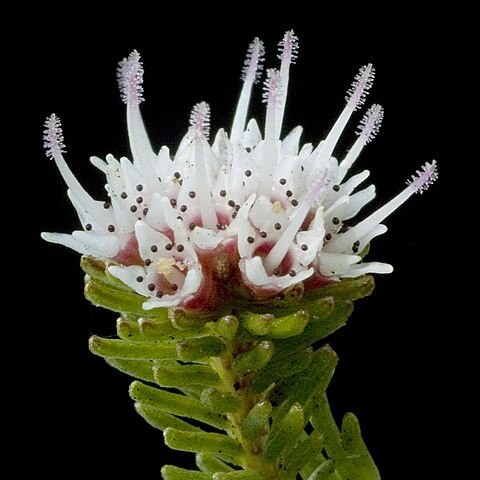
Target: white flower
246,214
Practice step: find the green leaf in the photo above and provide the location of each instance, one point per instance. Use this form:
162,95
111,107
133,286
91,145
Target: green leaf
172,374
97,270
256,426
303,386
237,475
281,367
220,401
118,348
326,471
255,359
257,324
307,449
202,442
142,369
209,463
347,289
318,328
200,348
176,404
127,329
227,327
323,421
288,326
363,464
183,320
170,472
118,300
157,419
287,434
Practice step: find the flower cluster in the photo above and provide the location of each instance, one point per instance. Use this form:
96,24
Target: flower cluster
247,214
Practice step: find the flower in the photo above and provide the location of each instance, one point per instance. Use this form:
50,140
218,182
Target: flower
246,215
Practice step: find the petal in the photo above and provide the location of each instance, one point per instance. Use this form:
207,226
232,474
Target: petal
336,263
130,275
252,135
369,267
147,238
358,201
204,238
68,241
108,245
256,274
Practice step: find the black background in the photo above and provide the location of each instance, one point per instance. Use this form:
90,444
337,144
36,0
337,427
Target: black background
67,407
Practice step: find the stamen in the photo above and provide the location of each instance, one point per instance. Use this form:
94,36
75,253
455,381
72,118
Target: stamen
130,79
53,137
271,96
200,119
424,177
54,146
130,82
288,50
418,184
366,131
355,97
253,64
251,73
361,84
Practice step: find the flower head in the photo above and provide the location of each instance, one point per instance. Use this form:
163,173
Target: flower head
247,215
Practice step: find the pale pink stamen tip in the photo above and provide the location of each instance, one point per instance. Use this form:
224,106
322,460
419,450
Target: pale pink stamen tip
424,177
362,83
53,136
200,119
272,88
288,47
130,79
370,123
253,64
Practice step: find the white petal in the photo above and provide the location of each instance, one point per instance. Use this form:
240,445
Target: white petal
290,143
156,214
260,211
128,275
256,274
68,241
252,135
192,283
352,183
108,245
358,201
336,263
148,237
375,232
313,238
99,163
87,218
369,267
204,238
